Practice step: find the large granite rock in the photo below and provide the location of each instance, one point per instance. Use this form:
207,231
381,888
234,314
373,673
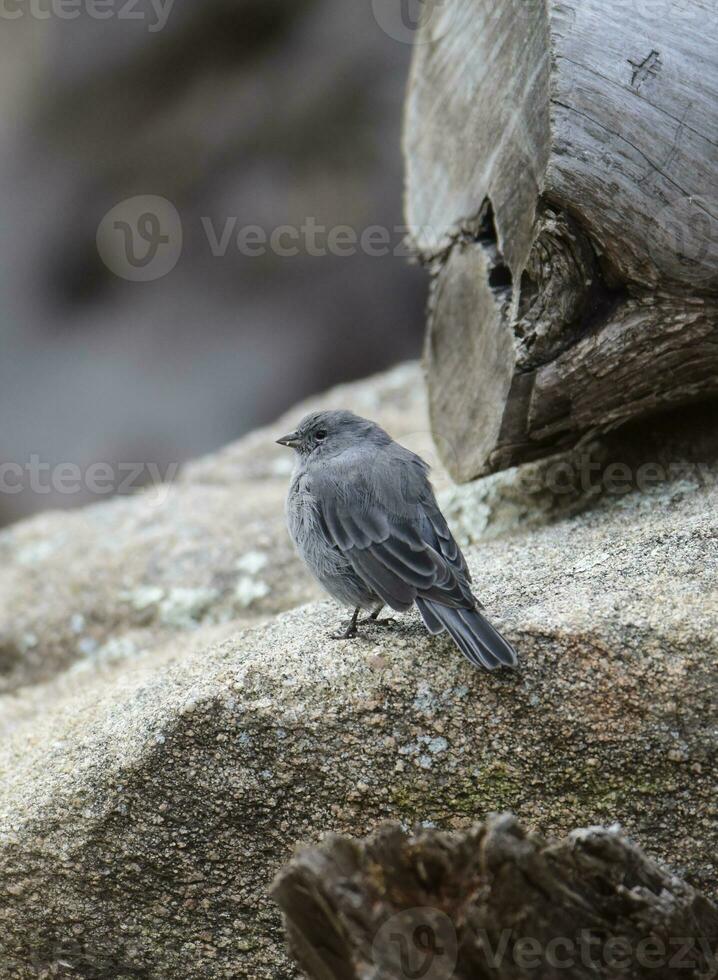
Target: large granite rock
148,800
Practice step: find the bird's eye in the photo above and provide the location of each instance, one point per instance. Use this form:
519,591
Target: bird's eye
320,434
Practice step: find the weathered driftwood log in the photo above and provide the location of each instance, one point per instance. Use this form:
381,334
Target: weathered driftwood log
495,903
562,187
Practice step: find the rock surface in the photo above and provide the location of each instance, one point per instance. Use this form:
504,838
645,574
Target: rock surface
109,581
102,585
492,902
148,799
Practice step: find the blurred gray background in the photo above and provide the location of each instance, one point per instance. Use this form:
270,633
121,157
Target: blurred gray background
267,111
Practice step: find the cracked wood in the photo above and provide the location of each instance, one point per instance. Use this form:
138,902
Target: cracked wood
585,135
463,905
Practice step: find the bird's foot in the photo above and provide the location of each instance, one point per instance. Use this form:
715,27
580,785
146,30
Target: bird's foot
347,634
386,621
351,629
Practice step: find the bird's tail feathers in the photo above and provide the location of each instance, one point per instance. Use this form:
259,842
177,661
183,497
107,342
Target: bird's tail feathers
478,640
432,622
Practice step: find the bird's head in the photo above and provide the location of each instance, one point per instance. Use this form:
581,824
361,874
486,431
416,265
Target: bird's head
326,433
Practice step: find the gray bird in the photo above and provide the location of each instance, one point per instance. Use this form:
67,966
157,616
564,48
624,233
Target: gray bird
362,514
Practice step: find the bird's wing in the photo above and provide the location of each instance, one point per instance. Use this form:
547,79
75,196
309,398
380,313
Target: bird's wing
380,512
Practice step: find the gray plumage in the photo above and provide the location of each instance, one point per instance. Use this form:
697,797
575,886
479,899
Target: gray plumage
363,516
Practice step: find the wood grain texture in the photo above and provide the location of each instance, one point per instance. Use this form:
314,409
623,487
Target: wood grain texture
573,147
482,903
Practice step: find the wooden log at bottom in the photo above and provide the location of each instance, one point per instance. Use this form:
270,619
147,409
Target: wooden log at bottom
492,902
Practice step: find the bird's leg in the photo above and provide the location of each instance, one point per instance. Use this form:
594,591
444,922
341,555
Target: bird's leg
374,617
350,631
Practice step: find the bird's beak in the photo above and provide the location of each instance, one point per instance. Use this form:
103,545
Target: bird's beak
292,440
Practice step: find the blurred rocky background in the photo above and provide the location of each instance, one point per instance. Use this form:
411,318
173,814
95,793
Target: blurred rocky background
252,112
